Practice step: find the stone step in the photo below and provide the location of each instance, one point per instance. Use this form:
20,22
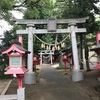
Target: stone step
8,97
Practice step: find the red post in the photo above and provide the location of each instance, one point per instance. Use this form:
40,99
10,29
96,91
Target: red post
64,58
98,37
65,65
20,39
35,62
20,81
35,67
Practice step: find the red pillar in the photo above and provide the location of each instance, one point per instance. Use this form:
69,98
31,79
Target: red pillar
65,65
35,67
20,39
20,81
98,37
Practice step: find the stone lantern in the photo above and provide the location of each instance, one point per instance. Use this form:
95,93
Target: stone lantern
16,67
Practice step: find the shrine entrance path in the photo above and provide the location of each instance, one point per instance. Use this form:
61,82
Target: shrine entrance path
53,86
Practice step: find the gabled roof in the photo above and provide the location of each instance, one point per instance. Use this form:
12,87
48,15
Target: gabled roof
15,47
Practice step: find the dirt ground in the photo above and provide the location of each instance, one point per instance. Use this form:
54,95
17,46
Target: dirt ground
90,84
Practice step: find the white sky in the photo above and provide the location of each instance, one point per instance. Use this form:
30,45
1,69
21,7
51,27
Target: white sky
5,26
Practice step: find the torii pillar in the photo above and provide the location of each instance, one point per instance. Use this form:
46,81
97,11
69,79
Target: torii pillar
30,77
77,74
51,53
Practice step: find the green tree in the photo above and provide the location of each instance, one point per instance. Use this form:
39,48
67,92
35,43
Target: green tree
7,6
40,9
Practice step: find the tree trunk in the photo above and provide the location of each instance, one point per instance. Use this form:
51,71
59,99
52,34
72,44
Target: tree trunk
81,51
86,54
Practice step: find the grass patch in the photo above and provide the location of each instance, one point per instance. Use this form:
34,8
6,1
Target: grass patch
62,70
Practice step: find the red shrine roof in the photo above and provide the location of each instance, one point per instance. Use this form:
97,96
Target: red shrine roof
18,70
15,47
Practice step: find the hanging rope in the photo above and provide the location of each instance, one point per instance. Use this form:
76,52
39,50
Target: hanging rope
46,56
50,43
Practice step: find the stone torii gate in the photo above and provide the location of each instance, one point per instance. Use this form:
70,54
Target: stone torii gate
77,75
46,52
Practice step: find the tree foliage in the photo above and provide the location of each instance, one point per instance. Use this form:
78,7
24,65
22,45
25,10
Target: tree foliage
38,9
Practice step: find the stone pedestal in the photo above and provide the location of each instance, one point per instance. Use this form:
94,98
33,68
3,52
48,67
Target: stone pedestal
77,76
21,94
30,78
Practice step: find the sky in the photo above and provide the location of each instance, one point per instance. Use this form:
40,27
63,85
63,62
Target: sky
5,25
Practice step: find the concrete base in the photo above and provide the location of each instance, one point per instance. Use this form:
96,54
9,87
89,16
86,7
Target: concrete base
77,76
21,94
30,78
98,78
